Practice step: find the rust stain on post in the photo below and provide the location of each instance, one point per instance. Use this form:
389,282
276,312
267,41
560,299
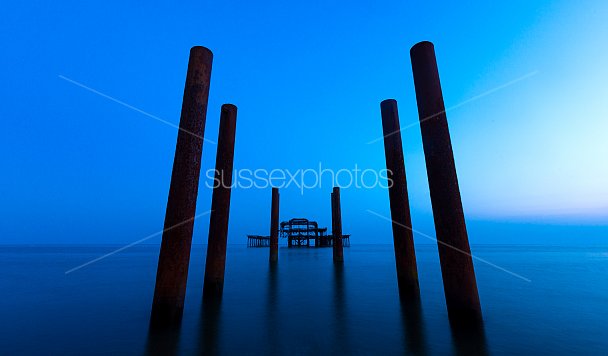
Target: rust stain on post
403,238
220,205
274,226
336,225
172,273
459,282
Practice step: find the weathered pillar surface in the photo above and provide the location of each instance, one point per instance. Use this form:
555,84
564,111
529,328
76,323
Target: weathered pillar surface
403,238
274,226
172,273
220,205
459,283
336,225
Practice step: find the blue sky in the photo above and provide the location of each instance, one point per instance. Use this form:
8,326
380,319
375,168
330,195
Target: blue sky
527,80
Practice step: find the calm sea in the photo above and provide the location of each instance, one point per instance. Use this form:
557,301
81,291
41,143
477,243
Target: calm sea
302,307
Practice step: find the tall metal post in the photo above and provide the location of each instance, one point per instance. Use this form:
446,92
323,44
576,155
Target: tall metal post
274,226
220,205
403,238
172,273
336,226
459,282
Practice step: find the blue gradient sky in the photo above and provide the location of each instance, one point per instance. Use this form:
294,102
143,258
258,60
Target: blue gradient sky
308,78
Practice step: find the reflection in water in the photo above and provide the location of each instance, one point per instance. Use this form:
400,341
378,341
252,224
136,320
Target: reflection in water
287,315
162,342
210,326
88,303
340,340
469,337
411,312
272,308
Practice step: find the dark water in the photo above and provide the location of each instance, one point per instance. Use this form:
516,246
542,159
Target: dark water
305,306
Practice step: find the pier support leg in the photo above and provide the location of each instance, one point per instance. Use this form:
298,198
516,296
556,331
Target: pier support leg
336,225
403,238
459,282
172,273
220,206
274,226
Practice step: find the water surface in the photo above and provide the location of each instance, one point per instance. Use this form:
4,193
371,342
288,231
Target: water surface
304,306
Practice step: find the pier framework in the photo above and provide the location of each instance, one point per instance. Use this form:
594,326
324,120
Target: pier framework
258,241
300,232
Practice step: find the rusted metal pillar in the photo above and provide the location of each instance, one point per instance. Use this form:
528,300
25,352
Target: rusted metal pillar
336,225
459,283
172,273
403,238
274,226
220,205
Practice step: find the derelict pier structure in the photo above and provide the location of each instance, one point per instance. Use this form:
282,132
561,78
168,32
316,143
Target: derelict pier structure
299,232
